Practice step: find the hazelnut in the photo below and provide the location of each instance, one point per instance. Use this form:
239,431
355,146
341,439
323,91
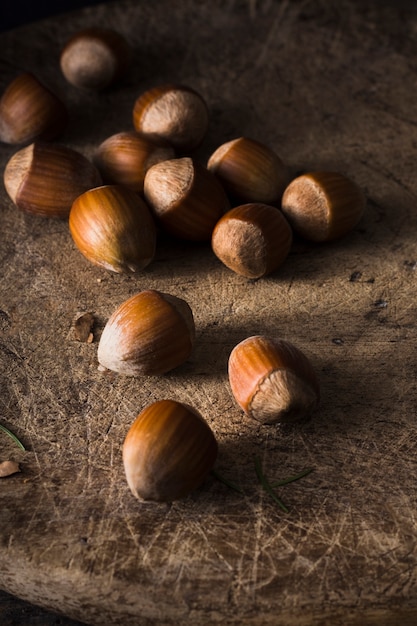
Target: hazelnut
95,58
272,380
252,239
249,170
149,334
322,206
44,178
185,198
168,451
29,111
124,158
175,113
113,228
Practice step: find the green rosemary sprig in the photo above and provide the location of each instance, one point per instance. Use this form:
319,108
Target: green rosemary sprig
291,479
12,436
267,485
226,482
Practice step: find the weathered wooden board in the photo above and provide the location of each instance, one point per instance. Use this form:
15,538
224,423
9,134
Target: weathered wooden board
327,87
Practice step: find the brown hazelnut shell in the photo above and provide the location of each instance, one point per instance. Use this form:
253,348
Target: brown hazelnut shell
124,158
323,206
175,113
272,380
249,170
95,58
149,334
168,451
252,239
44,178
29,111
113,228
186,199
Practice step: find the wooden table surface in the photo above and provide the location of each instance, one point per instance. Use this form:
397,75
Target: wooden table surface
328,86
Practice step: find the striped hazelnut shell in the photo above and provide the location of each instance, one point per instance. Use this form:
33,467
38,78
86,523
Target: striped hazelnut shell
252,239
44,178
272,380
124,158
95,58
175,113
186,199
149,334
29,111
113,228
249,170
168,451
323,206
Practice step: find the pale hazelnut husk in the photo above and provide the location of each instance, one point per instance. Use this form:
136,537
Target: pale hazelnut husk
323,206
149,334
29,111
175,113
168,451
186,199
272,380
252,239
124,158
249,170
8,468
113,228
44,178
95,58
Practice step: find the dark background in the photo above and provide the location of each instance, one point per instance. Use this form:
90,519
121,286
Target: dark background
13,13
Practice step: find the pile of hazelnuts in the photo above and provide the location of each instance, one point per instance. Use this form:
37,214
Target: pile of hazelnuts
144,180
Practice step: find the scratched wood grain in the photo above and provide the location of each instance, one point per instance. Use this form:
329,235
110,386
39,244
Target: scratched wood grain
327,87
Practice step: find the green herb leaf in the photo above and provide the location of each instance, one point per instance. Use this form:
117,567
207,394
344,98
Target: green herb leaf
291,479
267,485
226,482
12,436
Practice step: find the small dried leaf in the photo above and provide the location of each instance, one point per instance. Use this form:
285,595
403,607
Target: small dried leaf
81,328
7,468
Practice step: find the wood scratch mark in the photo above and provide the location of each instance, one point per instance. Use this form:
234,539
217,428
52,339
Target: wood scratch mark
132,532
389,175
40,507
201,530
274,31
252,9
256,552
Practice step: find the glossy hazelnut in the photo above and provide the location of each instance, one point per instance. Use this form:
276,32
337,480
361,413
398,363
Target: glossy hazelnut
175,113
125,158
272,380
95,58
113,228
185,198
149,334
249,170
252,239
45,178
323,206
168,451
29,111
